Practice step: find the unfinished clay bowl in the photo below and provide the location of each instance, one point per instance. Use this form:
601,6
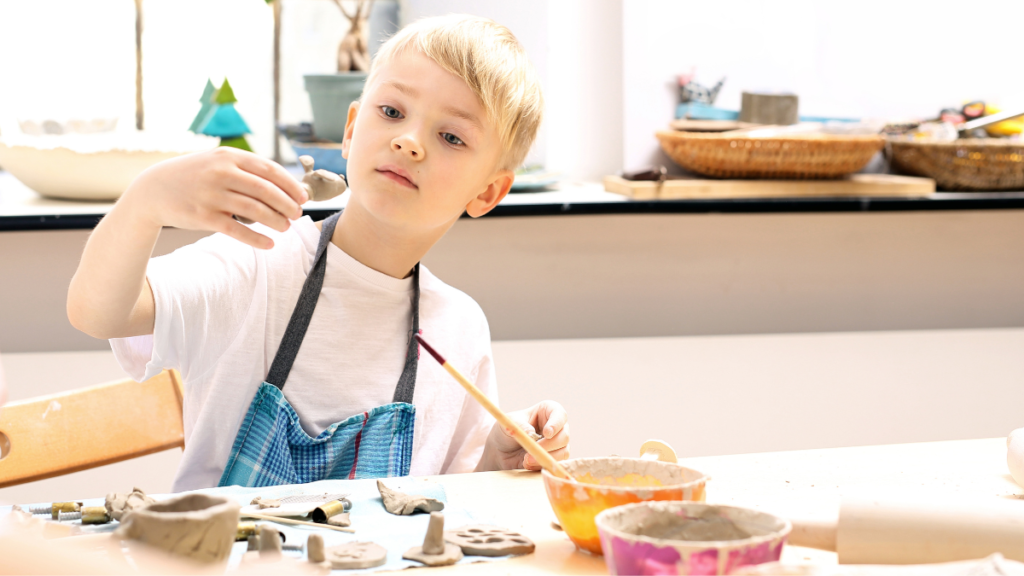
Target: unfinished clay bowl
196,526
612,481
688,538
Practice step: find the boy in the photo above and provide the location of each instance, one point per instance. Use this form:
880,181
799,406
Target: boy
448,111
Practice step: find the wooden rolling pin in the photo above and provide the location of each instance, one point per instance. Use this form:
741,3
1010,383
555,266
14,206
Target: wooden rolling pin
870,531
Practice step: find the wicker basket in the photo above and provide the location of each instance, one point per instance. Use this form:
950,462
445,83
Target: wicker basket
792,157
969,164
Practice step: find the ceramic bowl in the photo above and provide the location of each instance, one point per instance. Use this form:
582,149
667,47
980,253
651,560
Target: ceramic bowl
613,481
634,538
91,166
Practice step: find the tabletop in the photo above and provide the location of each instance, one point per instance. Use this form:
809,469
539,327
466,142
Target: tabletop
804,484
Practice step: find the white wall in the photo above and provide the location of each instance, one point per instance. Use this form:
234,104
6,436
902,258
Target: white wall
871,58
608,66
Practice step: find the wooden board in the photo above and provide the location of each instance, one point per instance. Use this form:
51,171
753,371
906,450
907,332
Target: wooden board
857,185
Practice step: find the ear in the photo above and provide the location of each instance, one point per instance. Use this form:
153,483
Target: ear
346,143
495,192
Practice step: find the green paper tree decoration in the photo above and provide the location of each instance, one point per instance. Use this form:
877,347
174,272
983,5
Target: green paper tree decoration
207,102
219,118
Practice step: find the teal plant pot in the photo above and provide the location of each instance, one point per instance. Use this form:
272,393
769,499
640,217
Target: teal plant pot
330,96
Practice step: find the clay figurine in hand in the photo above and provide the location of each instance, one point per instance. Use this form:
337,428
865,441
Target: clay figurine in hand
402,504
435,551
320,184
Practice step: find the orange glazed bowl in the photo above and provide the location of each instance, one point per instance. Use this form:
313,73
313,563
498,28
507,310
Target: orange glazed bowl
611,481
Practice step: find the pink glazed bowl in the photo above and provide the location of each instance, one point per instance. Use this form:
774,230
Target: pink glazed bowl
633,543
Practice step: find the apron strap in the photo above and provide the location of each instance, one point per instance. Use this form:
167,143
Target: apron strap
303,313
407,381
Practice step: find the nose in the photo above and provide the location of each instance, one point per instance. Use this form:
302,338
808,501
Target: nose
408,144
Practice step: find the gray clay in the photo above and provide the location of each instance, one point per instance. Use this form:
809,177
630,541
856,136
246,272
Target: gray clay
270,543
434,551
269,503
708,528
320,184
196,526
315,548
118,505
342,520
403,504
484,540
356,555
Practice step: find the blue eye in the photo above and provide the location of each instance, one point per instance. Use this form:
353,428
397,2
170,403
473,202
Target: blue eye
452,139
390,112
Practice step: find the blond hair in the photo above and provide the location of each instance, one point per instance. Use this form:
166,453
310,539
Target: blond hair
487,56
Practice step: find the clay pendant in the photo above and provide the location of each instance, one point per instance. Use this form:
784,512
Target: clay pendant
483,540
356,555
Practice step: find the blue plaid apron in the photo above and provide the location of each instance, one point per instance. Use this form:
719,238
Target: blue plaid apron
271,448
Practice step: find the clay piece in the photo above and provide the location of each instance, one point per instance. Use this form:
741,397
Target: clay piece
343,520
118,505
402,504
320,184
265,503
435,551
356,555
270,543
196,526
315,549
484,540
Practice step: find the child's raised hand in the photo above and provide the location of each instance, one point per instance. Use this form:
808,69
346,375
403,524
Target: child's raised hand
548,418
204,191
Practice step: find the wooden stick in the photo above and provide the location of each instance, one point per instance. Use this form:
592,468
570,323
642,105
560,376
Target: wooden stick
529,444
299,522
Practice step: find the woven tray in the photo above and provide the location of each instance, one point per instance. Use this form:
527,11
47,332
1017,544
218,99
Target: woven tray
793,157
971,164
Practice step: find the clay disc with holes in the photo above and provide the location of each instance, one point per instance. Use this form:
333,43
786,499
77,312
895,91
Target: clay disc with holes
484,540
356,555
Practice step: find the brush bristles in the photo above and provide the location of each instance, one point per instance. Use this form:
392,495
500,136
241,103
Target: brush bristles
430,349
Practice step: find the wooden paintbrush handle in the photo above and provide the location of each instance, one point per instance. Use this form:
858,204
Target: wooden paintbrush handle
546,461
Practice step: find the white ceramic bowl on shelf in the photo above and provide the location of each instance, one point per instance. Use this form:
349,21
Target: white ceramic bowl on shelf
91,166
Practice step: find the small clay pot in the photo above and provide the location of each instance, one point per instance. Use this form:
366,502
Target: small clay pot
613,481
648,538
195,526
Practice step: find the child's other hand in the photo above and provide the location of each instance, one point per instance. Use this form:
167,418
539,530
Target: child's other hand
548,418
204,191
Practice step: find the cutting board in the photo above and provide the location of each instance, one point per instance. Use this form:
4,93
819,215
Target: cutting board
859,185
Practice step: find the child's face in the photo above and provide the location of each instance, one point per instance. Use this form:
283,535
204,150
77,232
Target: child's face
420,148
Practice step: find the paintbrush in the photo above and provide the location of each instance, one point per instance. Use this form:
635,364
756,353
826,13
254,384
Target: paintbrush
529,444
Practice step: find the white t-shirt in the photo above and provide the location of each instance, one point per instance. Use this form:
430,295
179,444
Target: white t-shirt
221,312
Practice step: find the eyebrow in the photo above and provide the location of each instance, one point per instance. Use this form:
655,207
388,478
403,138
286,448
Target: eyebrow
457,112
403,88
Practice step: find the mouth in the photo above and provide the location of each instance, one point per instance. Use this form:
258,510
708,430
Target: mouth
397,175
